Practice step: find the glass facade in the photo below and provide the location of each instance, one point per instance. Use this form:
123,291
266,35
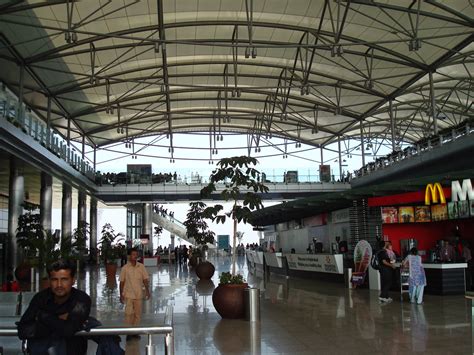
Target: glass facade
134,225
3,214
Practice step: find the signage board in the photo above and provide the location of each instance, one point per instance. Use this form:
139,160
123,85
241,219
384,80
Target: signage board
223,241
434,194
362,257
462,192
316,262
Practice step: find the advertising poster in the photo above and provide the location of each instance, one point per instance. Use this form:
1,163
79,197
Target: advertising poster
463,209
362,256
439,212
422,214
223,241
389,215
453,212
406,214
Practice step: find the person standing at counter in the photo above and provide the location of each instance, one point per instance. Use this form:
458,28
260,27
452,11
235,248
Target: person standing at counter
387,265
447,252
417,278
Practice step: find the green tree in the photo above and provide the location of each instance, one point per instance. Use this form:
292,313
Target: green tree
242,186
196,226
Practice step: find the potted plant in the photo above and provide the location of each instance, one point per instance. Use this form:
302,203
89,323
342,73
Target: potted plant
242,187
39,247
111,249
228,297
197,228
80,235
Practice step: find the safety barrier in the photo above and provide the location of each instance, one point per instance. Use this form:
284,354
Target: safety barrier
166,329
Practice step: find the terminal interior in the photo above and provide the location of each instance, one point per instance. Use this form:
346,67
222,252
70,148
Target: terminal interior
375,97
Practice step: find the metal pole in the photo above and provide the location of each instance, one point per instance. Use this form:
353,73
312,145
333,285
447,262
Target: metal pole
433,104
340,157
46,200
392,124
15,209
362,148
19,112
48,125
150,350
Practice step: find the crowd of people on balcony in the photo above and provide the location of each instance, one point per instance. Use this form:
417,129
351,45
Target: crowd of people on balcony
424,144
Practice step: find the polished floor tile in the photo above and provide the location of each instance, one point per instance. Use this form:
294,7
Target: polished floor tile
297,317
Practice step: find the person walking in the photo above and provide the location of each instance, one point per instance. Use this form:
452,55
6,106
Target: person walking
133,278
387,265
417,277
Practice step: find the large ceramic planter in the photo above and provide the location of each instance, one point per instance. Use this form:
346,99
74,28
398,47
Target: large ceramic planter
228,300
193,261
23,272
110,270
205,270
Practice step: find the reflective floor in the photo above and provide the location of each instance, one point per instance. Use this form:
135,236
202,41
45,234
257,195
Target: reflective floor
297,317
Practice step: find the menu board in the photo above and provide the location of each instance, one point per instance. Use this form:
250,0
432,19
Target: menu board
463,209
406,214
453,212
439,212
422,214
389,215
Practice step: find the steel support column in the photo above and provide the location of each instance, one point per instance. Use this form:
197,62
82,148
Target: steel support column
66,212
392,124
15,209
19,111
340,157
433,105
93,229
81,208
147,223
362,148
46,200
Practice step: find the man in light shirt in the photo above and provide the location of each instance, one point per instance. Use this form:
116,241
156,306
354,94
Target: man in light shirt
133,278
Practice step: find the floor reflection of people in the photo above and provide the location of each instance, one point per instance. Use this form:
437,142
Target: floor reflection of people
132,347
418,328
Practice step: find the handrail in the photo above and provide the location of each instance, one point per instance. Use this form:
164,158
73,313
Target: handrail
167,329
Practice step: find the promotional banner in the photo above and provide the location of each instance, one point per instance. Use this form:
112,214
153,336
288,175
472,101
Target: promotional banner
316,262
362,257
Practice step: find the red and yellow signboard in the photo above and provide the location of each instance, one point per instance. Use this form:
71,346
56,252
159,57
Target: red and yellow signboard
434,193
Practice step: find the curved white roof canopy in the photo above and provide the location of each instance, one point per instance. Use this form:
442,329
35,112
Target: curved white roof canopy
310,71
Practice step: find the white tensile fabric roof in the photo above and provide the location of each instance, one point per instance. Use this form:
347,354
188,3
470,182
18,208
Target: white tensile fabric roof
310,71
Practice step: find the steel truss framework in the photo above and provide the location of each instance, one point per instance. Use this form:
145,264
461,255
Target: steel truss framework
314,72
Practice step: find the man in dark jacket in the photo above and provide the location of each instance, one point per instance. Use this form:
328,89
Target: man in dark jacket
56,314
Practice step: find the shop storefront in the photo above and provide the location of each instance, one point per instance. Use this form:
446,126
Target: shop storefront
438,221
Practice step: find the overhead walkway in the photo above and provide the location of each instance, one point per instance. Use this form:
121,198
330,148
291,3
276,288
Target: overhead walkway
130,193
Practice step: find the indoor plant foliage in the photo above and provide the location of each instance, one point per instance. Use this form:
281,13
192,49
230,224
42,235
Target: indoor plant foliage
242,187
80,235
40,247
110,248
197,228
